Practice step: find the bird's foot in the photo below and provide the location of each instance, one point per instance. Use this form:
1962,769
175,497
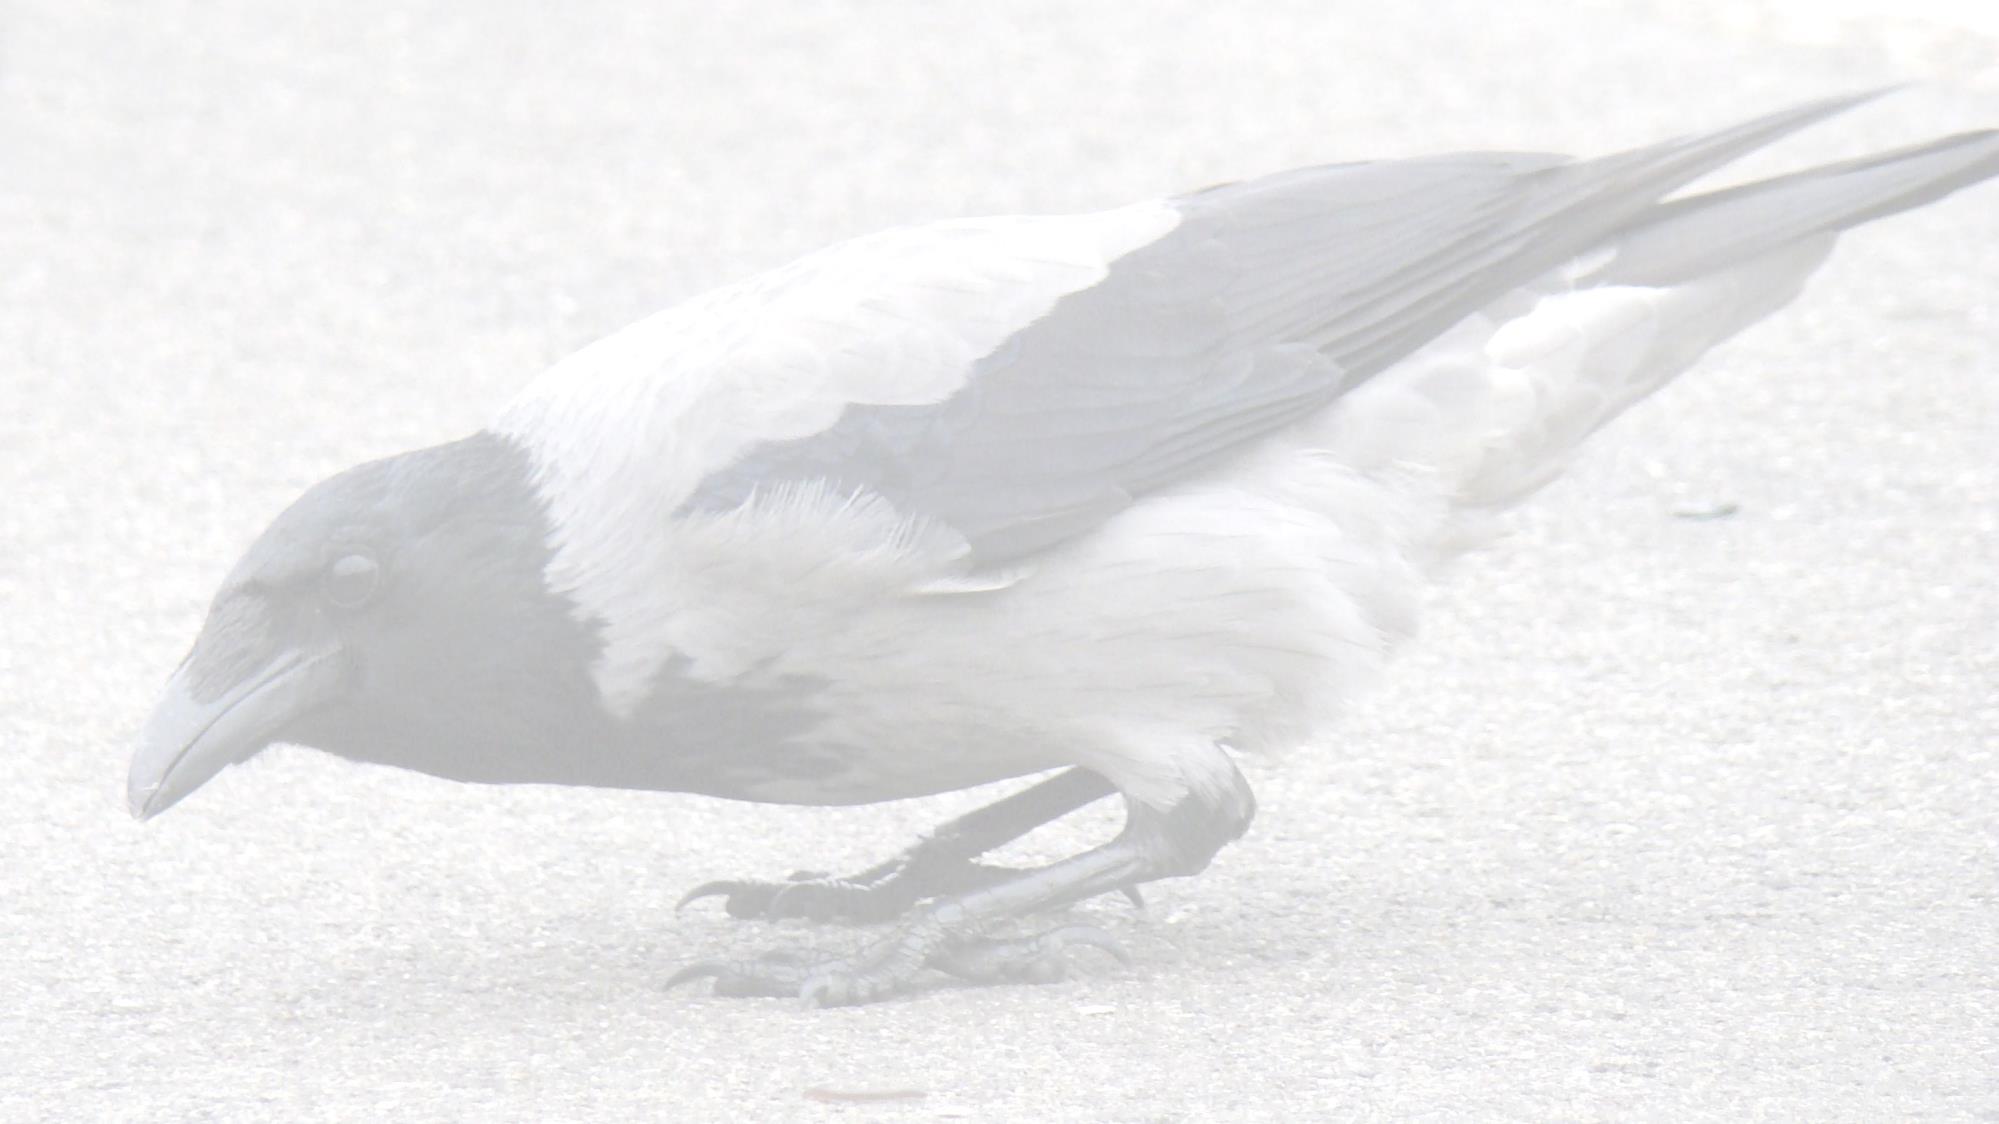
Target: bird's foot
892,964
880,894
942,864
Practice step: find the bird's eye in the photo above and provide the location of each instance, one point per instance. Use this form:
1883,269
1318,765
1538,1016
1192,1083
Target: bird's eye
351,580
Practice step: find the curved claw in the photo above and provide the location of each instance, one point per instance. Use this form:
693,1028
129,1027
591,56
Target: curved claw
743,899
1086,935
708,890
775,973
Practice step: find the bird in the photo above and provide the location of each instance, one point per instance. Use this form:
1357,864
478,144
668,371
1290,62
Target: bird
1101,501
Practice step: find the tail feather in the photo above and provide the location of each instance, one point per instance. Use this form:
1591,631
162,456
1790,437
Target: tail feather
1497,405
1585,203
1688,238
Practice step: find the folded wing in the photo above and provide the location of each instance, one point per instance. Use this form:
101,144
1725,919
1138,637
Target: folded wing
1016,381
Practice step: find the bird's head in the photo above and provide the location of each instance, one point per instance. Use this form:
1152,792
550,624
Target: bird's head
395,612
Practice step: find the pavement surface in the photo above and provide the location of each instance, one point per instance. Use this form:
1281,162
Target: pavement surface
1686,806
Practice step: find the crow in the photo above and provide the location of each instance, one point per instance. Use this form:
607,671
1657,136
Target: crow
1103,499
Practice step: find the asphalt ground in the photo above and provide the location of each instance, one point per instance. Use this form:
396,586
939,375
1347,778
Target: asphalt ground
1685,807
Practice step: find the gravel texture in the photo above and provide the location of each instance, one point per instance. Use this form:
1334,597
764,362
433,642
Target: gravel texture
1665,817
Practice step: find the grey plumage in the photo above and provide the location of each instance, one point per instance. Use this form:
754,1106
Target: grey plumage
1123,493
1275,296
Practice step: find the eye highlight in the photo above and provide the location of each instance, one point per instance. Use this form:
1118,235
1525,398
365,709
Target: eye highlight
352,579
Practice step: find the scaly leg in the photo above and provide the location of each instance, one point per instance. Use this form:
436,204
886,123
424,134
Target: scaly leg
950,934
939,863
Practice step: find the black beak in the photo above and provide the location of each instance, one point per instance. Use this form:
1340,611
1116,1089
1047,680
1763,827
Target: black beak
191,738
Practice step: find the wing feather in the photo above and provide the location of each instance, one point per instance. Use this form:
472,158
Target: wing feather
1264,302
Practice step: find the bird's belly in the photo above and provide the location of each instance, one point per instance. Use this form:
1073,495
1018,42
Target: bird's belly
1238,610
816,772
806,739
865,780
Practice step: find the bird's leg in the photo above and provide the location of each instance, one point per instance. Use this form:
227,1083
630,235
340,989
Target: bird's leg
939,863
952,934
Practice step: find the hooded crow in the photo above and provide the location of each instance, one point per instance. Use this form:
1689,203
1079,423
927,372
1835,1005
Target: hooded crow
1108,496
